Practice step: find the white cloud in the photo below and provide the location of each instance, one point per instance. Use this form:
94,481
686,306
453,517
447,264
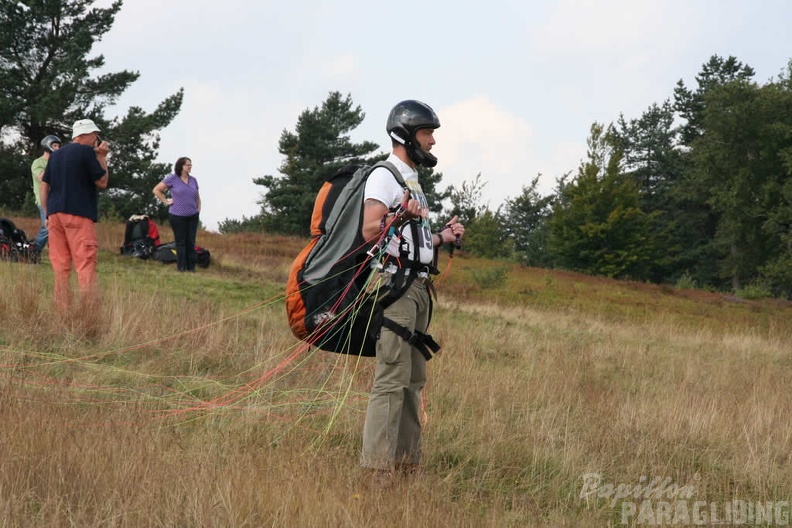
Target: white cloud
476,136
340,66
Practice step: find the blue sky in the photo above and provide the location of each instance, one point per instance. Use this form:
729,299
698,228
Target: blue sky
516,83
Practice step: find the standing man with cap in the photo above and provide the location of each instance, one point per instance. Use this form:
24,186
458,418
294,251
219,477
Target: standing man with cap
50,144
69,196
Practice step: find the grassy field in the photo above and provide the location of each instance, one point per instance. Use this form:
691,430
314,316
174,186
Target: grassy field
558,400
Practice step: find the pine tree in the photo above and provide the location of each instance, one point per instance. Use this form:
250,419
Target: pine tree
654,161
48,81
318,147
597,225
740,160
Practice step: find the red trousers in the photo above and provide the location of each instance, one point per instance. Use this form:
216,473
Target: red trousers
72,241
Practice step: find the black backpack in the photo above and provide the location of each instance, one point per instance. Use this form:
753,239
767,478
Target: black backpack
11,232
166,253
141,237
14,244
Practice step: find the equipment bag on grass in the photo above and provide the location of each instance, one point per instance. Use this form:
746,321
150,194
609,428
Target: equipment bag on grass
325,300
141,237
166,253
14,244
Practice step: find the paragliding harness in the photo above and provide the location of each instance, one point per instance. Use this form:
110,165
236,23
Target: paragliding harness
326,299
141,237
14,244
166,253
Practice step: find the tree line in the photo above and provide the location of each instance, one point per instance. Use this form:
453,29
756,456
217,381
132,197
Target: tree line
696,189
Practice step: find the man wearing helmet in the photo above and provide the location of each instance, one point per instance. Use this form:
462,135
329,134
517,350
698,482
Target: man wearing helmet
50,145
392,430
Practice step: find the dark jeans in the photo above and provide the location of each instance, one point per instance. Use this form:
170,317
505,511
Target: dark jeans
184,229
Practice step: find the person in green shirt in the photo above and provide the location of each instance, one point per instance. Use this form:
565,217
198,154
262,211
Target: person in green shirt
50,144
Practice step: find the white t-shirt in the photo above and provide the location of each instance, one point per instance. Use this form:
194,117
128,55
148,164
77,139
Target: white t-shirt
383,187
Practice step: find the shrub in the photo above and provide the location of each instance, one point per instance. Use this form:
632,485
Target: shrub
758,289
686,282
490,277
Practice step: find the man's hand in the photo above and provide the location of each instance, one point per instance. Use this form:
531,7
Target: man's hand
102,149
452,232
412,208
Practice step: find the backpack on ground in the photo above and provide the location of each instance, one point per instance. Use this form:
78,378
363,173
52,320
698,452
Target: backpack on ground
166,253
14,244
326,302
141,237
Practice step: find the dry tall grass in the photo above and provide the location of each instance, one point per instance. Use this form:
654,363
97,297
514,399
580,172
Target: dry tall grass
188,403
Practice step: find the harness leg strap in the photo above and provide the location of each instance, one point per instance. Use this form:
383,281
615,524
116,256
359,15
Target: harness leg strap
425,343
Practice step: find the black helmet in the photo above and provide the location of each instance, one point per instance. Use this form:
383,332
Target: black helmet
48,141
405,120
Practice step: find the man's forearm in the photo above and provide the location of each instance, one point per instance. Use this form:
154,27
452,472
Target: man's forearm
44,195
102,182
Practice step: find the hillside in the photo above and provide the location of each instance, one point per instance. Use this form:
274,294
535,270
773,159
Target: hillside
558,400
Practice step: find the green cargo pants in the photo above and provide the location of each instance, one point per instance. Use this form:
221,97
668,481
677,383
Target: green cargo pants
392,431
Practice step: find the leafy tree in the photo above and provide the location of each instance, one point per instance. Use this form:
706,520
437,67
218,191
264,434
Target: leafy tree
597,225
466,200
316,150
525,224
486,237
47,83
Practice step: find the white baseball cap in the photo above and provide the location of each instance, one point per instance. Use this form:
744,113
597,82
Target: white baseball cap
83,126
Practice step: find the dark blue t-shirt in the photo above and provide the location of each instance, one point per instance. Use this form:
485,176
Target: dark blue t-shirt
71,173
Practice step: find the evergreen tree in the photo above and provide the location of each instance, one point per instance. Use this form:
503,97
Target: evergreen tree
486,237
133,169
597,225
316,150
652,159
732,189
777,271
525,224
319,146
690,104
696,222
740,160
47,83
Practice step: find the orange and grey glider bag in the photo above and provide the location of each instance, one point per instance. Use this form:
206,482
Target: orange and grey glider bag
326,302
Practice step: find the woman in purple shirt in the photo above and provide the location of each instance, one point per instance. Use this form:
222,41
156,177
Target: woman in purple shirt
184,207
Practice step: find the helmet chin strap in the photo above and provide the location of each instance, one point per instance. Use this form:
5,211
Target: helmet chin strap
416,154
420,156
